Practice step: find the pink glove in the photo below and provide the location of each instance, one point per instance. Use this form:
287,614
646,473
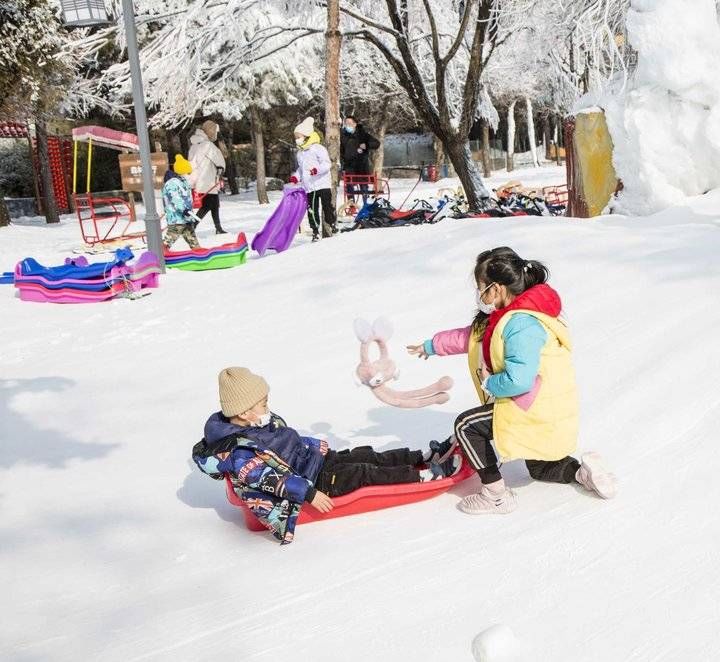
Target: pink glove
293,179
313,171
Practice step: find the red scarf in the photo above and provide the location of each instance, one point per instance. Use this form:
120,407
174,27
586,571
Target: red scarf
540,298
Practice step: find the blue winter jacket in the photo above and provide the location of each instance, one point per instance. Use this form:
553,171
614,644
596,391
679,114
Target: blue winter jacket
177,199
524,337
272,468
304,455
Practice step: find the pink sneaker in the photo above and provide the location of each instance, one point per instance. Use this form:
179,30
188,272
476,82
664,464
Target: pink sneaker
594,477
491,499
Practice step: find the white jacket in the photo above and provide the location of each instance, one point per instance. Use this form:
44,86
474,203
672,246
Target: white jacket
205,158
315,156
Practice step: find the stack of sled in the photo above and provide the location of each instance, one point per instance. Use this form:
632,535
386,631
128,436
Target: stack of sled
201,259
78,281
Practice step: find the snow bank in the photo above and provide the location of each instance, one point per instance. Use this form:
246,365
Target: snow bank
666,124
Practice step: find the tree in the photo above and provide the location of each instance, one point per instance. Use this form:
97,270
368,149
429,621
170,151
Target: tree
36,65
371,92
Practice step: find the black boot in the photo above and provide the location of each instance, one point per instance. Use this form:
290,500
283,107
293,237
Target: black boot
219,230
440,452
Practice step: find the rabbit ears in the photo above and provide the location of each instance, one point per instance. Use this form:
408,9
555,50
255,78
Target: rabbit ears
381,329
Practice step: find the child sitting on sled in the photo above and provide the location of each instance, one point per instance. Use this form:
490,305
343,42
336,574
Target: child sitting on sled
277,470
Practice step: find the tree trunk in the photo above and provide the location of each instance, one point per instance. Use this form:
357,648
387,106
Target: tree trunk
49,204
547,137
174,145
510,161
531,132
487,168
438,150
558,138
379,155
4,213
226,147
259,143
332,90
458,150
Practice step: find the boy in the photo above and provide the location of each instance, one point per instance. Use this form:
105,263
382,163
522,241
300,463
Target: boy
177,199
277,470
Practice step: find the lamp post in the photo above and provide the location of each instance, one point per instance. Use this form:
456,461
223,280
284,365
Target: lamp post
79,13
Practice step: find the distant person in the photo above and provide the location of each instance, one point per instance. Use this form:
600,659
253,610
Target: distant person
313,173
177,200
355,145
208,166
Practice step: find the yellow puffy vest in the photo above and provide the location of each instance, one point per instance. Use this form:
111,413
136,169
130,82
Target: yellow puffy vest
548,430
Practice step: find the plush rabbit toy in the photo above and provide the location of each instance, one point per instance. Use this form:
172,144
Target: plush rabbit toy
376,374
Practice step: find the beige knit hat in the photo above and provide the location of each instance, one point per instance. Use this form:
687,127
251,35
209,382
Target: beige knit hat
211,129
240,389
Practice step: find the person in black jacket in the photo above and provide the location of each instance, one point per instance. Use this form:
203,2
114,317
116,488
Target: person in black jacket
355,144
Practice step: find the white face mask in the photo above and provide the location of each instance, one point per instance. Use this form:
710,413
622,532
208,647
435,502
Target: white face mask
486,308
299,141
264,420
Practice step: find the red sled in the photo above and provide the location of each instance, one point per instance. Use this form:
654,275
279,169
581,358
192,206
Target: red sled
364,500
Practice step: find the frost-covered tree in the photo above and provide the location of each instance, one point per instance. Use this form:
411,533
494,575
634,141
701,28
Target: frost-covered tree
438,52
370,91
36,66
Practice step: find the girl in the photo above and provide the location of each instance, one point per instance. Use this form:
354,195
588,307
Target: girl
519,355
314,174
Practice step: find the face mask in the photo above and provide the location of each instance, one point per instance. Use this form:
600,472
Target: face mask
299,141
349,129
264,420
486,308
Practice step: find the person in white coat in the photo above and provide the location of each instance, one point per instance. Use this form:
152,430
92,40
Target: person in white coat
313,173
208,166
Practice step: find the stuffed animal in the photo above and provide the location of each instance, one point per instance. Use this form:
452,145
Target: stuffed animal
376,374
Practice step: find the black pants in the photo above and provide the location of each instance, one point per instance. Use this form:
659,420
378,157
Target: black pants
474,432
316,200
211,203
348,470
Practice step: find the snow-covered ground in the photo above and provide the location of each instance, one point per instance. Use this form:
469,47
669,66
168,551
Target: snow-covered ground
112,547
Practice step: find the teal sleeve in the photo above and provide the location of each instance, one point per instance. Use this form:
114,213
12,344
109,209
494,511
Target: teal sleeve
428,347
524,337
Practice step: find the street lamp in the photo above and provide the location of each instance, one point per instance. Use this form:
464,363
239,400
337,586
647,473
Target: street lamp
92,12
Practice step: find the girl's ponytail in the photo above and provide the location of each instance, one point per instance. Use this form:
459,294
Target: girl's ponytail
534,273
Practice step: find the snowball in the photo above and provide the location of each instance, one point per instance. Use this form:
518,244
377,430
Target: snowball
498,644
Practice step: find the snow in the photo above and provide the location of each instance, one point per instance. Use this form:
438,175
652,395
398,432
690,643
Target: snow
666,124
114,548
497,644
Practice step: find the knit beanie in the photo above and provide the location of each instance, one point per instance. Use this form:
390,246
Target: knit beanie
181,166
240,389
210,129
305,128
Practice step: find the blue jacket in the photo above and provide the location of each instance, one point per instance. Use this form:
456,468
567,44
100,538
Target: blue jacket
524,337
273,468
177,199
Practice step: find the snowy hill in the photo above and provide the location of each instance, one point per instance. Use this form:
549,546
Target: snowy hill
114,548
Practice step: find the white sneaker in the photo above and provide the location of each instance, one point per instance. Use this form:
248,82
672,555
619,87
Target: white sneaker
491,499
594,477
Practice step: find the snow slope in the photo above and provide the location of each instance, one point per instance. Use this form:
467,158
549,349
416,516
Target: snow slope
113,548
